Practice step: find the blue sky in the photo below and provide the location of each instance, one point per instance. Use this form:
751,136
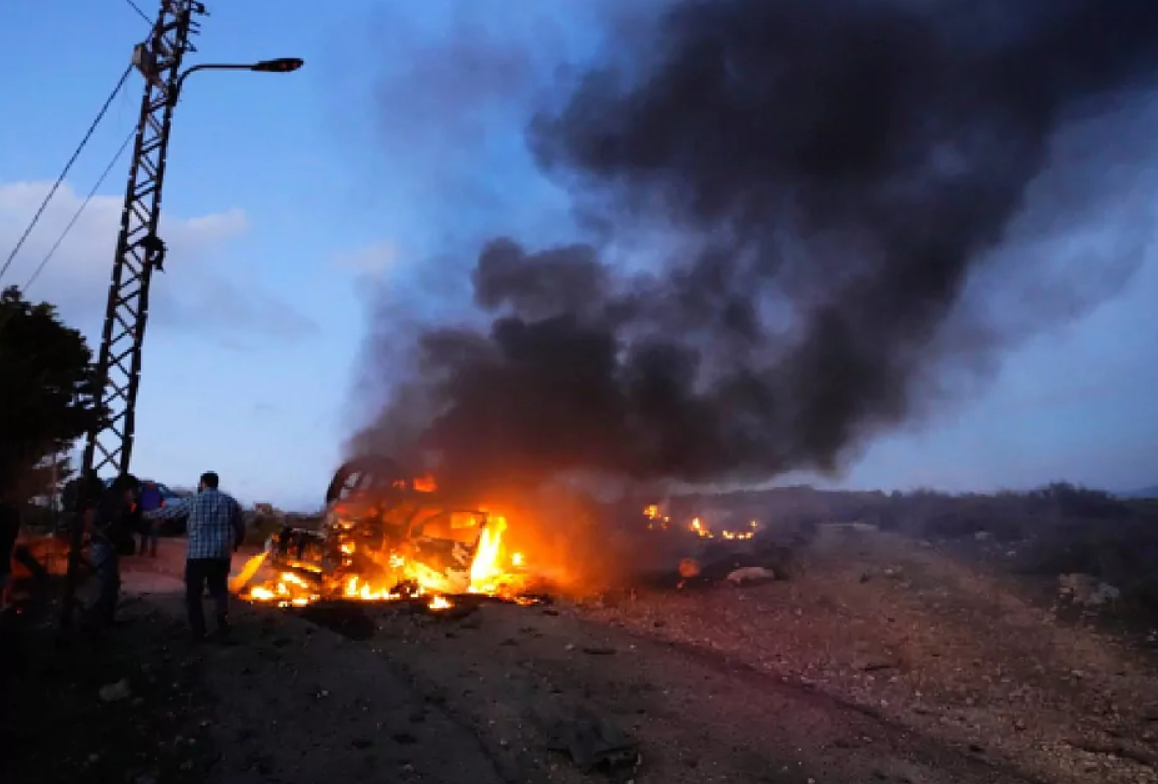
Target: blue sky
294,203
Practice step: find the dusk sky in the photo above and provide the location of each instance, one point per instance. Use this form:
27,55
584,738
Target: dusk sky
296,205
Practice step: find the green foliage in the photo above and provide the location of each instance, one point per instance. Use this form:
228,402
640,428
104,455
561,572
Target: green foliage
47,386
1068,500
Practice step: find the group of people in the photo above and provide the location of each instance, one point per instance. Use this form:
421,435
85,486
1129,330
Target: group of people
215,530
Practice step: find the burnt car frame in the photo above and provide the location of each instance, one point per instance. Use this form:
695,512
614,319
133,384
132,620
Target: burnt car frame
383,527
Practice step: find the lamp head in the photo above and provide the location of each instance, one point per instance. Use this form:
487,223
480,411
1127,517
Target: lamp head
280,65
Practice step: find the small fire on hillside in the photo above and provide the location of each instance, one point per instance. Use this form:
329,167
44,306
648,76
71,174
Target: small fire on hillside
661,522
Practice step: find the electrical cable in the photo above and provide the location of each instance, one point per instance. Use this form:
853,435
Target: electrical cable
76,215
140,13
67,167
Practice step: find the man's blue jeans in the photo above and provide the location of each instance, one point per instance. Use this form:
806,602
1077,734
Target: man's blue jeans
149,539
107,564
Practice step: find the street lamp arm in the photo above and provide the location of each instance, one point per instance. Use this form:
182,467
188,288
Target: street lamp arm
202,67
280,65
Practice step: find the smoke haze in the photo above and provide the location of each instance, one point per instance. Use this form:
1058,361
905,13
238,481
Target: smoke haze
824,180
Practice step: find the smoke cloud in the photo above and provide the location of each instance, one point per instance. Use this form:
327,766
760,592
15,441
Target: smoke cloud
821,179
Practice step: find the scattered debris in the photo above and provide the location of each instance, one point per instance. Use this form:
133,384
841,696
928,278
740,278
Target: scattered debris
595,744
854,527
750,575
348,619
890,572
115,692
1117,749
1087,590
877,663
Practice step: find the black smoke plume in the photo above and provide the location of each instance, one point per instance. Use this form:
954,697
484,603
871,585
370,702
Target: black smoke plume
812,184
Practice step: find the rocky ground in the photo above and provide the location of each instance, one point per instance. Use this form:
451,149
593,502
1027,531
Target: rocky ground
880,659
968,656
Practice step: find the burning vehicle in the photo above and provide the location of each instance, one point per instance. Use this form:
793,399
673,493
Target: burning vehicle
387,535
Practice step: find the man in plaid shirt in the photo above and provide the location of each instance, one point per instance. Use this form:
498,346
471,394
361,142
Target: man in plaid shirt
216,529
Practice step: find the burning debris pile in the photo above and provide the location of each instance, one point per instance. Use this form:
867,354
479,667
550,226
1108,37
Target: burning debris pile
717,544
388,537
662,522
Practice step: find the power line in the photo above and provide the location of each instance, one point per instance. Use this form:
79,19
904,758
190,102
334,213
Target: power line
140,13
76,216
67,167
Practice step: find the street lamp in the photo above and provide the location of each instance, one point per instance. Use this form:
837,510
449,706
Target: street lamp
278,65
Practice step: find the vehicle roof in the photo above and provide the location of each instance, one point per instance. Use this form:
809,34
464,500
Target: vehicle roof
110,480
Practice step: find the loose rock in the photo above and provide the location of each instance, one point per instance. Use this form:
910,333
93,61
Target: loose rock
115,692
750,575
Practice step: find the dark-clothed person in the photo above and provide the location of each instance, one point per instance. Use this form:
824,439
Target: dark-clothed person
150,499
9,531
148,537
216,529
111,534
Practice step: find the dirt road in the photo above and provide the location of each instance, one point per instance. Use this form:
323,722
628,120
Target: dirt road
479,699
878,661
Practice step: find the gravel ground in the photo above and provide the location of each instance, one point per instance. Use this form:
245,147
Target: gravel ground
511,674
923,641
879,660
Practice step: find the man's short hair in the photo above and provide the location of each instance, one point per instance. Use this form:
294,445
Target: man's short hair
210,479
126,482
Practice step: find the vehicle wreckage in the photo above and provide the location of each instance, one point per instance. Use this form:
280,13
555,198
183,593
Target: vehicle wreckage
386,535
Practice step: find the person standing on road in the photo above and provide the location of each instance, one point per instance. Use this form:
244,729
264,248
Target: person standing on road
150,499
216,529
110,530
9,531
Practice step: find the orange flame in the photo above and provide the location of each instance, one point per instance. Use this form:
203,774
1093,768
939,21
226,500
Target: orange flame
489,575
698,527
356,589
485,570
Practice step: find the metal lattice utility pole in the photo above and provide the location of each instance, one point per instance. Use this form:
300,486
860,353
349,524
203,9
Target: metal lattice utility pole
140,251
